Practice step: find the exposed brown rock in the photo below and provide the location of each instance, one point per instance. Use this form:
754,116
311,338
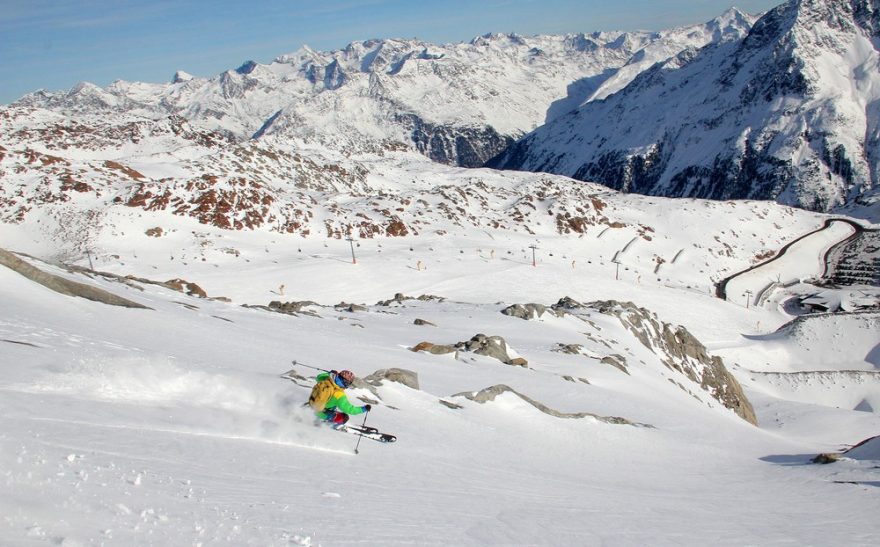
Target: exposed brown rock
187,287
396,228
435,349
826,458
127,171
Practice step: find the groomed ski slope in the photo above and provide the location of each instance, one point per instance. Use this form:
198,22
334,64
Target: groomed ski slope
172,426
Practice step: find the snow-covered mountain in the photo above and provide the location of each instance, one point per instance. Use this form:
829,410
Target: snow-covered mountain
275,146
79,169
456,103
788,112
563,363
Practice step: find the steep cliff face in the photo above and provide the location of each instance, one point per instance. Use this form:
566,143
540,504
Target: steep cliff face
452,145
788,113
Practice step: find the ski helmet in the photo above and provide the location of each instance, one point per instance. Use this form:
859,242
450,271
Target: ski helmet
346,377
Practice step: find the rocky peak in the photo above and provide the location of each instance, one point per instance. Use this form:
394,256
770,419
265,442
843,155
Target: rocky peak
731,24
784,113
842,15
799,23
181,77
247,67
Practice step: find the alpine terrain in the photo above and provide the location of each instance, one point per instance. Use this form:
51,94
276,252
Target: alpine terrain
788,112
557,361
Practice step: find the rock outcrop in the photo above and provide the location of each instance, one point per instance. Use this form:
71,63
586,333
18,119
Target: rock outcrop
400,298
292,308
62,285
435,349
528,311
188,287
680,351
399,375
566,303
490,346
868,449
490,393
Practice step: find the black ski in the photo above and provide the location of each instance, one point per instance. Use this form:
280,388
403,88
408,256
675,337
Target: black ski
369,433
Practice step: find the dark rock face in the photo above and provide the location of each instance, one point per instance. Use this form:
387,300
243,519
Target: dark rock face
567,303
731,139
753,175
525,311
453,145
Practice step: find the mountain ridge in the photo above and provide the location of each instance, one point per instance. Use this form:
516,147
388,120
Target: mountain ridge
429,97
785,113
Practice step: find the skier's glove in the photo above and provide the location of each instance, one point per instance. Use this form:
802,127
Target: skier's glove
367,408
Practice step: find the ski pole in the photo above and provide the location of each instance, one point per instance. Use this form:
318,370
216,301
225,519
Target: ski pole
295,363
363,425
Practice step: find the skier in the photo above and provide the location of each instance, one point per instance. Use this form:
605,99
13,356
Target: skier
329,401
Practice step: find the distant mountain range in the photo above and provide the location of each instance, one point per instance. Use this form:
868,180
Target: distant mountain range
458,104
780,108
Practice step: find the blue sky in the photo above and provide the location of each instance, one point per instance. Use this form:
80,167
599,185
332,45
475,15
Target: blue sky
53,44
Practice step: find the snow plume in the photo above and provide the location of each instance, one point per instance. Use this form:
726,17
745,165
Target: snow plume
156,380
201,401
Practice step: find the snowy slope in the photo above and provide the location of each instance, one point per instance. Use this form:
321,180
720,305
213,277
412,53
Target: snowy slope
197,439
185,227
786,113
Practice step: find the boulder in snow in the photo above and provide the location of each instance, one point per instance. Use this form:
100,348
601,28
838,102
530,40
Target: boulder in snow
435,349
399,375
525,311
492,346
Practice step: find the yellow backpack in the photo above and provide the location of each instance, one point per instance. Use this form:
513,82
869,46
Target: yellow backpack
321,393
